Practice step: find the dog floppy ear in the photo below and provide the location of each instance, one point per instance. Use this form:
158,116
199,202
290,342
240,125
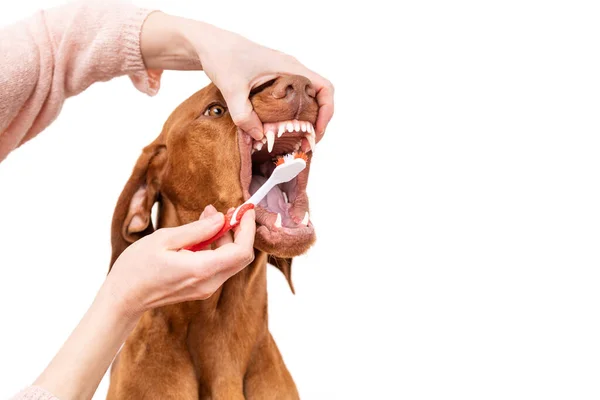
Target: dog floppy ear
285,266
131,219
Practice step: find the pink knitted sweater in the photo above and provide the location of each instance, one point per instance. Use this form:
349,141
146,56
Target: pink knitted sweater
58,53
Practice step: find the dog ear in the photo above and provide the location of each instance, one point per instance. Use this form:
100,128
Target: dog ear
131,218
285,266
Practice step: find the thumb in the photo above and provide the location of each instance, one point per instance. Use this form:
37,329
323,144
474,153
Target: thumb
243,114
194,232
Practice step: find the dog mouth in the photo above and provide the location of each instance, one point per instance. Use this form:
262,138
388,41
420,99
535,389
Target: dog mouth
283,216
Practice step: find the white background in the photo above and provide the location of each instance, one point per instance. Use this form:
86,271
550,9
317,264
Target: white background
455,195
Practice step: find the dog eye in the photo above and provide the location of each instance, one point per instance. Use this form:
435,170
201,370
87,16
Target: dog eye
214,111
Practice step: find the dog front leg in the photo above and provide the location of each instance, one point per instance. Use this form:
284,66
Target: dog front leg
222,391
267,377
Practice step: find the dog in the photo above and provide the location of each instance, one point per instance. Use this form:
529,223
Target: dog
221,347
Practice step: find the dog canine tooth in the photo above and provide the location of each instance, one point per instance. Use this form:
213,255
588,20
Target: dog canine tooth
281,129
278,221
311,137
270,140
285,198
305,220
296,125
303,126
290,127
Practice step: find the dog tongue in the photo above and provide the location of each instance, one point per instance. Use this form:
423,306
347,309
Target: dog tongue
273,201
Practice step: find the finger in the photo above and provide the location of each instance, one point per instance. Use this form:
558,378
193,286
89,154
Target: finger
208,211
243,114
223,240
245,231
231,256
194,232
243,235
325,91
325,101
227,238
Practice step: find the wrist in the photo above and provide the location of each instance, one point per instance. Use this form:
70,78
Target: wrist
165,43
112,296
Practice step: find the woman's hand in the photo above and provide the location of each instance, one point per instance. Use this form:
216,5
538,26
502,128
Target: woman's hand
154,272
233,63
150,273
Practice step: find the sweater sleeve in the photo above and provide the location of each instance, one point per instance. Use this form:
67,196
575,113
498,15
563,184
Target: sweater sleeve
58,53
34,393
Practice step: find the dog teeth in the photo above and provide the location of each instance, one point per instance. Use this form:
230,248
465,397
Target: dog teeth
303,130
311,137
270,140
305,220
258,146
285,198
278,221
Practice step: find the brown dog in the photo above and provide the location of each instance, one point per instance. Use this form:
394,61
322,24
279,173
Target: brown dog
221,347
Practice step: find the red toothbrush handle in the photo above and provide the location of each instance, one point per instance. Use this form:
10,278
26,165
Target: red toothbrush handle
226,228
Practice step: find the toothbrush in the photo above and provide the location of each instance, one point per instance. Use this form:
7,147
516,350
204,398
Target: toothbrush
288,167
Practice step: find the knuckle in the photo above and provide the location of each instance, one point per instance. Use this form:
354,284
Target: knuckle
246,257
241,117
162,234
205,293
330,86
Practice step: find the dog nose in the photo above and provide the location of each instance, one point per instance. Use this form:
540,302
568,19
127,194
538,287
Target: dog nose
293,88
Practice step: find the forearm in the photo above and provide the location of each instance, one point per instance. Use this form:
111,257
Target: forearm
78,367
165,44
58,53
175,43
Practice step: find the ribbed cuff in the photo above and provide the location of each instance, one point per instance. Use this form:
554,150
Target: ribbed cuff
34,393
145,80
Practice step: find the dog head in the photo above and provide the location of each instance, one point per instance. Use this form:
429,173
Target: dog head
202,158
